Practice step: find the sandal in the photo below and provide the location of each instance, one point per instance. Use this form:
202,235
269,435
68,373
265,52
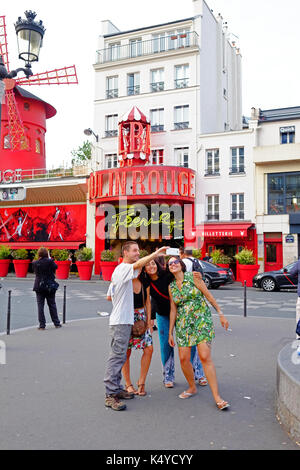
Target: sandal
222,405
141,390
202,381
169,384
134,391
184,395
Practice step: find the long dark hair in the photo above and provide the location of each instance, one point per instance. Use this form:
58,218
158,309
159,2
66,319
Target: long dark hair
145,278
182,264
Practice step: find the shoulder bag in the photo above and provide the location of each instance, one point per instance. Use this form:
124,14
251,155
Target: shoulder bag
139,327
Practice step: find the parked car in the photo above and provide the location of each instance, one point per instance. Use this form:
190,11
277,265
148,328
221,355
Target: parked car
215,276
276,280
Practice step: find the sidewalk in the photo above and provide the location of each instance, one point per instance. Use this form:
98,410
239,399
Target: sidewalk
52,394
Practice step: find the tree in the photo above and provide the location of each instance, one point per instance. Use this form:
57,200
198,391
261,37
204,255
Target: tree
82,153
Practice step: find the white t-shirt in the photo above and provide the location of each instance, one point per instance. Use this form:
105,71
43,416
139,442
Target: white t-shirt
189,264
122,298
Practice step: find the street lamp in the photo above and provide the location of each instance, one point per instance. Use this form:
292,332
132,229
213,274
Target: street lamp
30,35
89,132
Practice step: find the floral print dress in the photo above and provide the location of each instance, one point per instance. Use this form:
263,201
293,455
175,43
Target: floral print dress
194,324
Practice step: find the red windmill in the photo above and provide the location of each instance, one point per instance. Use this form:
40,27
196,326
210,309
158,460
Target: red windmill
31,33
134,138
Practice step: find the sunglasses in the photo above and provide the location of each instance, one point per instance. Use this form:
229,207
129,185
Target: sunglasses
177,261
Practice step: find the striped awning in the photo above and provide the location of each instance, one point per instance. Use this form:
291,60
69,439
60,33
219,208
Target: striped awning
135,114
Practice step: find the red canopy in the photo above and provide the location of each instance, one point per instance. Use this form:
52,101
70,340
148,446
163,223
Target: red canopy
135,114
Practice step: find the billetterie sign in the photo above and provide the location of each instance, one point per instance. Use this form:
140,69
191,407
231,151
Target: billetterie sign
142,182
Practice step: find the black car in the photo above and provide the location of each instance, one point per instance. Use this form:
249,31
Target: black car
215,276
276,280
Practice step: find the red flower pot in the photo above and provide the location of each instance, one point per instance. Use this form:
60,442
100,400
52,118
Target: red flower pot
4,266
63,269
21,267
85,269
223,265
107,268
247,273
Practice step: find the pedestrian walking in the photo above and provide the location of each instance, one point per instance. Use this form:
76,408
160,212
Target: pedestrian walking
295,271
45,287
122,320
194,326
191,263
157,281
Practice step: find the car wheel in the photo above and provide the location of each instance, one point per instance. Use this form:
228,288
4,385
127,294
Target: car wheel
268,284
207,282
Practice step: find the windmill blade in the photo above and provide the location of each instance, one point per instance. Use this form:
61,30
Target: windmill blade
64,76
18,139
3,42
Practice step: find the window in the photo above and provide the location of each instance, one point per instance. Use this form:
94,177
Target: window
111,160
135,47
178,39
181,117
284,193
181,76
112,90
237,160
6,142
237,207
287,135
111,125
212,162
213,207
158,157
113,51
159,42
157,80
37,146
157,120
26,106
182,156
133,84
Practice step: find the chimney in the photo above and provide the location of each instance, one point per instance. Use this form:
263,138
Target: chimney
198,8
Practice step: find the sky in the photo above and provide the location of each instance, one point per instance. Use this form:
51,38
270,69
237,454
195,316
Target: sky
268,34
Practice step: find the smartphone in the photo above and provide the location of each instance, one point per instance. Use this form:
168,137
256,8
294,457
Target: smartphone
172,251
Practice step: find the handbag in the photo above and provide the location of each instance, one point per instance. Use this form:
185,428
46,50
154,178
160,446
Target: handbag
140,327
48,286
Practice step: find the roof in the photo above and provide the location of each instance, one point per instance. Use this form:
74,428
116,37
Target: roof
147,27
135,114
279,114
50,110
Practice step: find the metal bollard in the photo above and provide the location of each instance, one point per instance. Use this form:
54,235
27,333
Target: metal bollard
8,313
245,299
64,305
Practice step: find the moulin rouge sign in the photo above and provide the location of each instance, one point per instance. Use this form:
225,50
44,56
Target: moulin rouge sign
142,182
10,176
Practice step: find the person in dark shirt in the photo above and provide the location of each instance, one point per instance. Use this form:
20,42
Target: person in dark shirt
44,269
295,271
156,279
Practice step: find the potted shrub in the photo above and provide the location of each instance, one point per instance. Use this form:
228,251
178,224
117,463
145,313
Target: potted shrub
108,264
62,259
197,254
21,262
84,263
220,259
5,253
247,267
143,253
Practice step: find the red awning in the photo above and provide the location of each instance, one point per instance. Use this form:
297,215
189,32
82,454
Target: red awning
223,230
37,245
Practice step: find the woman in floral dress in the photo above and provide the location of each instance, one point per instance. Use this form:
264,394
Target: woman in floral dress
194,326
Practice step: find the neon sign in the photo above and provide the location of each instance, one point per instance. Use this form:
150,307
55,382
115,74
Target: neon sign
10,176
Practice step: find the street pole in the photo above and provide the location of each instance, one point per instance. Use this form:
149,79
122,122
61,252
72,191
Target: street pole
2,91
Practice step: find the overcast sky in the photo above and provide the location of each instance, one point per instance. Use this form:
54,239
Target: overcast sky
268,32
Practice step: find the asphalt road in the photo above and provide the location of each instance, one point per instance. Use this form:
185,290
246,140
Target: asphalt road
86,299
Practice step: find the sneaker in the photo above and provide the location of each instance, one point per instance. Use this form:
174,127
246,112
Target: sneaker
113,402
58,326
124,395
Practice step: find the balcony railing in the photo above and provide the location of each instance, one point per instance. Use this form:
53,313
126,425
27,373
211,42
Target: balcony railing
45,174
181,82
157,86
152,46
157,128
212,172
238,215
112,133
237,170
133,90
181,125
212,216
112,93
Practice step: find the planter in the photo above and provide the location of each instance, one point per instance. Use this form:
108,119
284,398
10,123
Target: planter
85,269
21,267
247,273
107,268
4,266
63,269
223,265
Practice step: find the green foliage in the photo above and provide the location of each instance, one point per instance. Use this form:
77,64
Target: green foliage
219,258
20,254
5,252
82,154
60,255
84,254
143,253
197,254
108,255
245,257
34,253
